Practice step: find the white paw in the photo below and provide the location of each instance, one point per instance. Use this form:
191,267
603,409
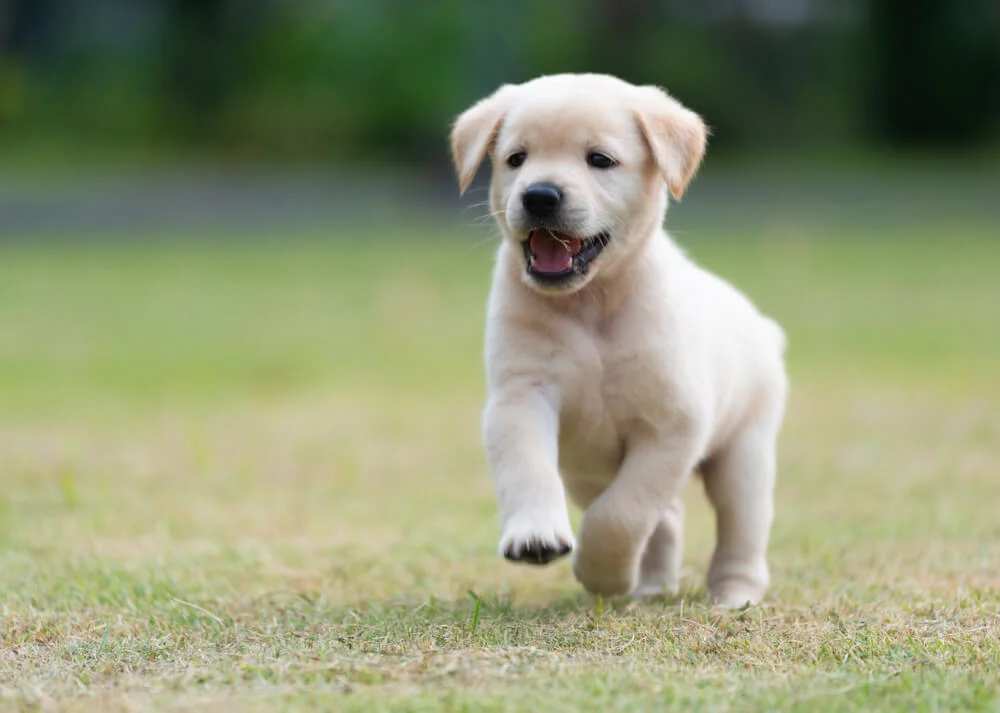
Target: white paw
734,584
655,589
735,594
607,559
535,539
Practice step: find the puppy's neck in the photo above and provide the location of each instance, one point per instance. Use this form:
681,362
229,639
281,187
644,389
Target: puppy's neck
635,250
648,260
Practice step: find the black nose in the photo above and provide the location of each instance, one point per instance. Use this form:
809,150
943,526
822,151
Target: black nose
541,199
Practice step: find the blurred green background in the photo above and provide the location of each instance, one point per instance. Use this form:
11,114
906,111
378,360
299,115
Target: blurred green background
139,114
125,114
353,80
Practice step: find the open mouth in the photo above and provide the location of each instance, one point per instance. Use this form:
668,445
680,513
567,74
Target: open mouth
555,257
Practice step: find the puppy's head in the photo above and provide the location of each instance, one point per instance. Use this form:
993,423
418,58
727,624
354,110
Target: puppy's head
581,168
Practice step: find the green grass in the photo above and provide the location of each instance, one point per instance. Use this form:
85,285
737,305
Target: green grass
249,477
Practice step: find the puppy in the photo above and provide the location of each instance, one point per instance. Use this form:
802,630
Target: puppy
615,365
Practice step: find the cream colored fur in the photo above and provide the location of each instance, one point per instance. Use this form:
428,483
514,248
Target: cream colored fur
616,388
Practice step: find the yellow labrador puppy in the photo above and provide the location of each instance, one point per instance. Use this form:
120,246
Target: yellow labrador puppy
615,365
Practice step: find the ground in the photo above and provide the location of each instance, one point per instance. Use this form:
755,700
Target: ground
247,475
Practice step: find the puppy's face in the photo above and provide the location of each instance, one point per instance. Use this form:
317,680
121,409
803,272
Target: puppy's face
580,167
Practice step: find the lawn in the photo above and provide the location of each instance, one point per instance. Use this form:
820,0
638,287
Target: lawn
247,475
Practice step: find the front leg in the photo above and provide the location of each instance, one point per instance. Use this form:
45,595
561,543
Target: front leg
521,434
620,522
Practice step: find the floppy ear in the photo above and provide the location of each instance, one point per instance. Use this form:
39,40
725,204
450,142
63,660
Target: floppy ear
676,137
475,132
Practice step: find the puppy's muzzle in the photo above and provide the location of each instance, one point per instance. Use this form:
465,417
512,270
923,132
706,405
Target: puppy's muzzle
541,199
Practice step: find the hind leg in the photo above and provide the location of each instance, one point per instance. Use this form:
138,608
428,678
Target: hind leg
739,481
660,570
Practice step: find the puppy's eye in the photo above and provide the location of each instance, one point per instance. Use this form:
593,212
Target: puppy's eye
600,160
516,159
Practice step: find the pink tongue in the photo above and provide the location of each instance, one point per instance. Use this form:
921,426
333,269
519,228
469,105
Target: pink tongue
551,255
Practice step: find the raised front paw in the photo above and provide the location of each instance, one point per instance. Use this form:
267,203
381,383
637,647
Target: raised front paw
535,540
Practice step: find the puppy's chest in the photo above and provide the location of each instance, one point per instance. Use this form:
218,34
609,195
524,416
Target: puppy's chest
603,398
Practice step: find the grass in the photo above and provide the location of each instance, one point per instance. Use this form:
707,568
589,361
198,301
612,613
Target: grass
249,477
